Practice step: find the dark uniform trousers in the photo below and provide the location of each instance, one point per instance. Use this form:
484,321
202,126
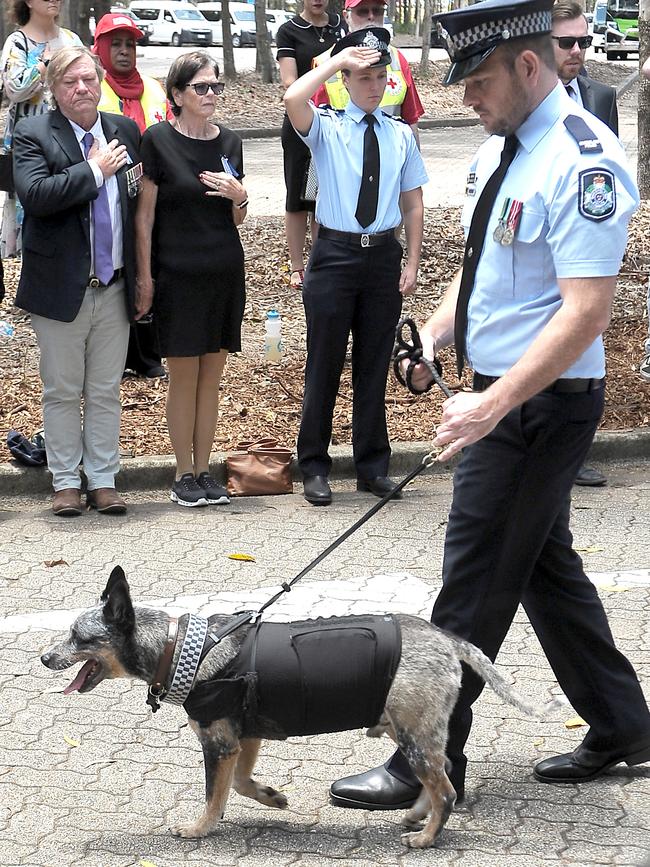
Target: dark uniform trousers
349,289
508,541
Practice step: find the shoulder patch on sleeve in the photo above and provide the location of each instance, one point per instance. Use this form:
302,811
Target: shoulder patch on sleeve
596,194
588,141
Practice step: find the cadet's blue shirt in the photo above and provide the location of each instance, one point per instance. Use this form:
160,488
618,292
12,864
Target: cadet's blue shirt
336,142
516,291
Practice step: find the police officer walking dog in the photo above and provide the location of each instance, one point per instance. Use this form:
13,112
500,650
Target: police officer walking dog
549,198
354,282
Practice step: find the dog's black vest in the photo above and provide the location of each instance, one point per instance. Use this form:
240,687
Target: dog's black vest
304,678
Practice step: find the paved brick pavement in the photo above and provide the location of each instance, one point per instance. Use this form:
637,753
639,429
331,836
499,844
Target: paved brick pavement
109,801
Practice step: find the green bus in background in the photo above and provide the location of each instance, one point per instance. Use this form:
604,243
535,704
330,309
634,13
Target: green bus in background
616,28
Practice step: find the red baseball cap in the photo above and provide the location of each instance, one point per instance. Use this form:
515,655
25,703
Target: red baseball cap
117,21
350,4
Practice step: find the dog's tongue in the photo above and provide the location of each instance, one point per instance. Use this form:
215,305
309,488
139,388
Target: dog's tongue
79,680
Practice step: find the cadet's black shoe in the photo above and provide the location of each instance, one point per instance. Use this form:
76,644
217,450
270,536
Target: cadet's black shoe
379,486
590,478
317,491
376,789
584,764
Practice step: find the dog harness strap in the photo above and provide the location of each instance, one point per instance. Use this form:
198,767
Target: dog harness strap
188,661
157,685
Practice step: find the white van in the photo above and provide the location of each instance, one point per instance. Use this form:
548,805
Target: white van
173,23
242,22
275,18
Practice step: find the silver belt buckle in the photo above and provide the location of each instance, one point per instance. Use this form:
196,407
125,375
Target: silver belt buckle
94,283
365,240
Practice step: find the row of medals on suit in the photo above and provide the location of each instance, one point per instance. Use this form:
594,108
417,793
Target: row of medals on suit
504,233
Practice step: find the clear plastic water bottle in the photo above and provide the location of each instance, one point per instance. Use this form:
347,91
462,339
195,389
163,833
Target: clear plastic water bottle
6,329
273,346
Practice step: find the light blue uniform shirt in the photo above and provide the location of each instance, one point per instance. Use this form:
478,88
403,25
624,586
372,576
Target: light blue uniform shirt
516,292
336,142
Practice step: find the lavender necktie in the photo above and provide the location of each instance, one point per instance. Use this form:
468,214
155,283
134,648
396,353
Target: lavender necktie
103,243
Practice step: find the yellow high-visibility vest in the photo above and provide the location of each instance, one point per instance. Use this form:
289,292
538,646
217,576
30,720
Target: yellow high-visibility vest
153,101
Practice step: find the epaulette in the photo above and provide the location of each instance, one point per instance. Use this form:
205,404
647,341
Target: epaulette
588,142
327,107
394,117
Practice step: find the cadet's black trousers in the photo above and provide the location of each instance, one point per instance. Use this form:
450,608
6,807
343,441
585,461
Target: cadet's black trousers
508,541
349,289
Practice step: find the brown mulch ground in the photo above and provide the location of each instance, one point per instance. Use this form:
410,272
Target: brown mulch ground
261,398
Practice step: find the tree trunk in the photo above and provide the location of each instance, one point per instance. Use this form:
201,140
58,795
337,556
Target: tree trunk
229,70
264,63
426,38
643,116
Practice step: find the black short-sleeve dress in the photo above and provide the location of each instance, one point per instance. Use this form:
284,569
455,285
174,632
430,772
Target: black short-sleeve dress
196,252
302,41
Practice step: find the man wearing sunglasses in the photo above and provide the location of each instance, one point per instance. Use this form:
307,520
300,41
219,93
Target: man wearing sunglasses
570,42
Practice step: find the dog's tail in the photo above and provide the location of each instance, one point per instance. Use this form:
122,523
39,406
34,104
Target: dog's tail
485,668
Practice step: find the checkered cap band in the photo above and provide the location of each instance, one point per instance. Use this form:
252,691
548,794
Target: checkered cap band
188,661
474,39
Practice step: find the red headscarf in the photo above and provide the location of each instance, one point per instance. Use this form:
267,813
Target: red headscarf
128,86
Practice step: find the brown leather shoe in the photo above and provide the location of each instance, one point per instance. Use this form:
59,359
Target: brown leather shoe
106,500
67,502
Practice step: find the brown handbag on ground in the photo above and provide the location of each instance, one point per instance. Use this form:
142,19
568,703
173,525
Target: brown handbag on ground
259,468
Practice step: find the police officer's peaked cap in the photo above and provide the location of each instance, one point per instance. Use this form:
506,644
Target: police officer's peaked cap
367,37
472,33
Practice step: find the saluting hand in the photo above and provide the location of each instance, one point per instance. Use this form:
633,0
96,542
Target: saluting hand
358,58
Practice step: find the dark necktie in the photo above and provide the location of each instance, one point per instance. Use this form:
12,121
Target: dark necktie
369,191
474,245
103,231
569,90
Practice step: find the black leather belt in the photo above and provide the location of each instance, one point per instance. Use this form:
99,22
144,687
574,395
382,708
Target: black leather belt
560,386
356,240
96,283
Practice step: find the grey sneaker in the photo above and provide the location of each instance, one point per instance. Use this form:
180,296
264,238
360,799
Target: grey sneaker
186,492
644,368
214,493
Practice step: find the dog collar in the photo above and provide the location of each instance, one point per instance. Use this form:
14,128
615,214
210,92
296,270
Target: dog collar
188,661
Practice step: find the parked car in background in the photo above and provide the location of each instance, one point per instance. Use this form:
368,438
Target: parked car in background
275,18
173,23
242,22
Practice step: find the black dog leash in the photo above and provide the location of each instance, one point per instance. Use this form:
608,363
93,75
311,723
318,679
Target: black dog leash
413,351
402,350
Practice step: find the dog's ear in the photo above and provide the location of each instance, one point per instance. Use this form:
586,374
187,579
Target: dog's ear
118,608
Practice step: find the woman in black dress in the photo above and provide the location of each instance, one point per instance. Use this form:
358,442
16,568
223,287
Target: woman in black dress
191,263
299,41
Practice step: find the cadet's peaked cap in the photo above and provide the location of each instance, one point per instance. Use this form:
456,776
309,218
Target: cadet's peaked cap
472,33
367,37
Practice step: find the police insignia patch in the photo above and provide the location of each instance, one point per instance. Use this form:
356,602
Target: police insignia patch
597,194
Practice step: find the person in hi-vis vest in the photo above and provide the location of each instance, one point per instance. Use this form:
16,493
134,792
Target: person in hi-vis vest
401,97
125,91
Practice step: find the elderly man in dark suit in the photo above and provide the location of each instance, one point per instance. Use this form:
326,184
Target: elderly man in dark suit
570,41
570,26
76,173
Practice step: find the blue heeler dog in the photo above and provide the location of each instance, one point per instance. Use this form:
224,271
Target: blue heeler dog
395,673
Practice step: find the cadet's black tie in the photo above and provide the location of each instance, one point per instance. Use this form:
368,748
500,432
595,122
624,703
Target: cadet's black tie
369,191
474,245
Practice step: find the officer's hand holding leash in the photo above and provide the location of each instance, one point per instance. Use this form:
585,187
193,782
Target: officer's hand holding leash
466,418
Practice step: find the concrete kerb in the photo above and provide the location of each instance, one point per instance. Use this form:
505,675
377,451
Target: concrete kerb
156,472
432,123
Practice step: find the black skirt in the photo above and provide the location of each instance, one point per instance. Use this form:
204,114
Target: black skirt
296,165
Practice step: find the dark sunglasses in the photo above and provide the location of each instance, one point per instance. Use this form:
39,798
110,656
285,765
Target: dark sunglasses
202,88
566,43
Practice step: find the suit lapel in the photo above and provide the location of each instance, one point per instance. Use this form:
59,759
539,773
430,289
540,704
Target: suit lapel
586,93
65,137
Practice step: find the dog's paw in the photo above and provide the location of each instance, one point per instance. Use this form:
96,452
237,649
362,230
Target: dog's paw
271,797
189,830
418,840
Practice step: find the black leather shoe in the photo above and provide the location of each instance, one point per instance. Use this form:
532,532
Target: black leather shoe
590,478
379,486
373,790
317,491
585,764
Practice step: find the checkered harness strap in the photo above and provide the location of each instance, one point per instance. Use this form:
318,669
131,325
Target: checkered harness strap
188,661
523,25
